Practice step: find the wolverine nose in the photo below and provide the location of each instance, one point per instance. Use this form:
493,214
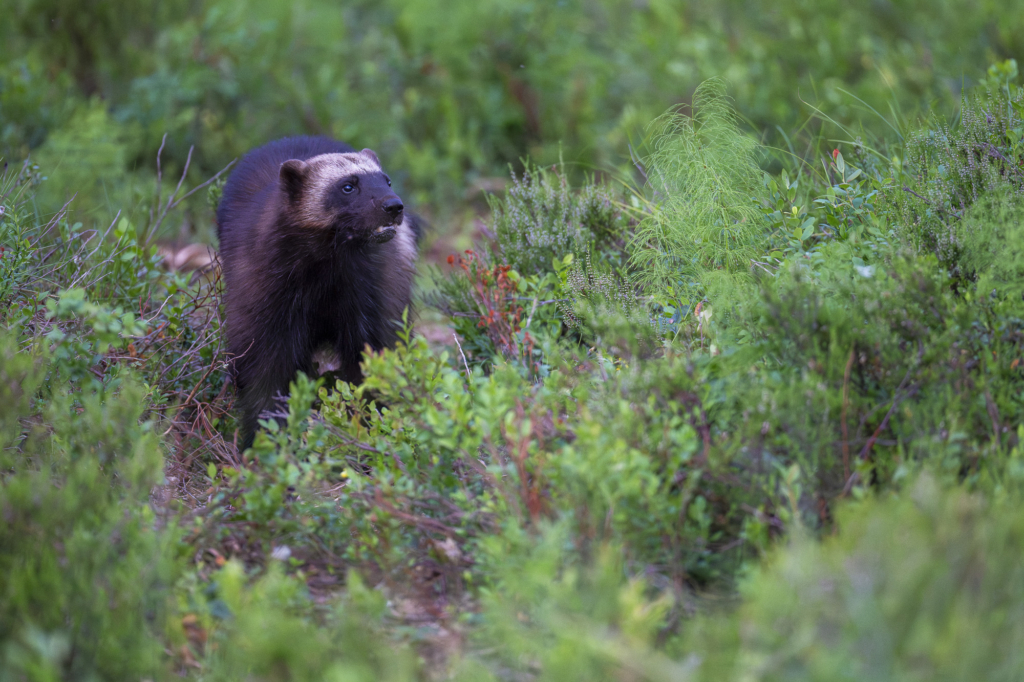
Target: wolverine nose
393,206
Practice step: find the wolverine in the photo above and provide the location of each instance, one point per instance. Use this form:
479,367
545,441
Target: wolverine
318,255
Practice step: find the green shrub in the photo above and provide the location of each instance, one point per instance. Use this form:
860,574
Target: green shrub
85,575
262,633
92,582
555,247
547,616
86,159
990,235
32,104
925,585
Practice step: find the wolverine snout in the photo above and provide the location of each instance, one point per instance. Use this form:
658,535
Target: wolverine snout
393,207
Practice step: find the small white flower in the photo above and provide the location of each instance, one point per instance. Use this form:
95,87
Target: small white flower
281,553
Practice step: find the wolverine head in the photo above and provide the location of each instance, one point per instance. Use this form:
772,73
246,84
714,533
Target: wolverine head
348,193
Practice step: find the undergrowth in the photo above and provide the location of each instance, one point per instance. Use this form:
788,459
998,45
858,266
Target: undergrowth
720,424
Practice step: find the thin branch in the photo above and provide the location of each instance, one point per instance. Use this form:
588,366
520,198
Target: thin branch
184,174
159,178
358,444
637,163
199,187
172,201
421,522
103,238
993,151
846,404
993,414
940,210
466,364
896,400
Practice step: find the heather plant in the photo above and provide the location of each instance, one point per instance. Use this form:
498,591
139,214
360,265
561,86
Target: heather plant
542,218
885,348
513,296
947,168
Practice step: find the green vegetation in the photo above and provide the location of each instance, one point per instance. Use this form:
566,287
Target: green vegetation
449,95
735,389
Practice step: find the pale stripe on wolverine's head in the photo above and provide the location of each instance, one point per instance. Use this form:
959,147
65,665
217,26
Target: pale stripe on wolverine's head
307,181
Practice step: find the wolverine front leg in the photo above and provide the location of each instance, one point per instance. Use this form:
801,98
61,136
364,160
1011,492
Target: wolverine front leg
349,347
262,377
349,370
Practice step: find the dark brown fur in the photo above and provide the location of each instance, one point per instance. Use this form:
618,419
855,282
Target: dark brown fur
317,257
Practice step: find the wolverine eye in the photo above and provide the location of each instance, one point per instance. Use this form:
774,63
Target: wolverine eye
388,179
348,188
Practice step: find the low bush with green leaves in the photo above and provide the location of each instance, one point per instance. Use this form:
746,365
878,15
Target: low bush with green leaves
86,577
924,585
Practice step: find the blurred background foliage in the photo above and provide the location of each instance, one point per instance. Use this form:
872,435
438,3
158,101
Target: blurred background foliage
450,94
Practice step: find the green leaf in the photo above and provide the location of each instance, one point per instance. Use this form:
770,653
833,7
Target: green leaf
807,229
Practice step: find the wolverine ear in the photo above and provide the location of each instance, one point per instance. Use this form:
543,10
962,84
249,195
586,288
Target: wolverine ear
293,177
368,153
